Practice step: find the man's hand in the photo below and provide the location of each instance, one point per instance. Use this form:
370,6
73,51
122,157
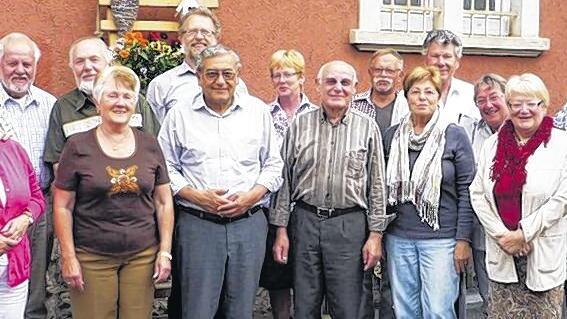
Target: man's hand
16,227
281,246
211,199
462,255
240,202
6,244
512,242
71,272
372,250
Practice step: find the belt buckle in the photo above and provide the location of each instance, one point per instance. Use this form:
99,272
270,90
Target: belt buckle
323,216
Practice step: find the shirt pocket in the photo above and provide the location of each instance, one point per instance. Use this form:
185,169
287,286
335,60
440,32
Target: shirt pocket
550,253
355,163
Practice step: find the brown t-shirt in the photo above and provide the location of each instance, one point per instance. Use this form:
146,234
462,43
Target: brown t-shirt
114,212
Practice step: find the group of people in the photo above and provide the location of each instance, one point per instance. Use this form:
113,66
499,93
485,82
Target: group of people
375,202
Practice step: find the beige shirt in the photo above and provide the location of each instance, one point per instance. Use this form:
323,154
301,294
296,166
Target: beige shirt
333,166
544,202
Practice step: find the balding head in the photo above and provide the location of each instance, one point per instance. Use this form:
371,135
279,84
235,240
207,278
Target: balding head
336,81
18,60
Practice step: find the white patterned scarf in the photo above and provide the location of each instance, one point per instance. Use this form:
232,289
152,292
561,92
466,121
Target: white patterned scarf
422,186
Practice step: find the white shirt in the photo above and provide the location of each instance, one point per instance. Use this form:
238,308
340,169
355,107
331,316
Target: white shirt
460,101
233,151
178,85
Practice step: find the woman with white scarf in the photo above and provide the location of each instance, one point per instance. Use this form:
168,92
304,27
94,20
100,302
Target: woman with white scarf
429,169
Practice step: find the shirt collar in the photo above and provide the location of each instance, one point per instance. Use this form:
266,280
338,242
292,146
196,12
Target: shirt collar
29,97
79,99
184,68
275,106
345,120
199,103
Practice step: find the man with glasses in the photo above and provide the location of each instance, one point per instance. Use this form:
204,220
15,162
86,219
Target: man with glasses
490,100
335,209
387,106
199,28
444,50
223,161
382,101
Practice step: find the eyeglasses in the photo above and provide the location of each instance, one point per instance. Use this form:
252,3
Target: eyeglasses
191,33
388,72
531,105
492,99
284,75
213,75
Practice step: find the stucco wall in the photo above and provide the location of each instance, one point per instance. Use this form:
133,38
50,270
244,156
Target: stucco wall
256,28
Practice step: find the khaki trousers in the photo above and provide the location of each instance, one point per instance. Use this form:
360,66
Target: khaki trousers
115,287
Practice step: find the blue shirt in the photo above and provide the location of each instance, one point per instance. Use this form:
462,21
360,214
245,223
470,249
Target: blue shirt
30,119
235,150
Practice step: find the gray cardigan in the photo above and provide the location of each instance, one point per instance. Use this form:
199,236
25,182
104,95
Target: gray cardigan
455,211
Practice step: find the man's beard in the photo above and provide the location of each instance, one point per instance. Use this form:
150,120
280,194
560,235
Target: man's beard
86,87
18,89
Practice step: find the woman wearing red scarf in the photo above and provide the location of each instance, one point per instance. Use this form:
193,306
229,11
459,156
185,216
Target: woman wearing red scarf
520,195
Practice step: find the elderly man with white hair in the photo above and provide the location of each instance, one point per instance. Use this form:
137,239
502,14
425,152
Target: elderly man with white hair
75,112
26,108
335,207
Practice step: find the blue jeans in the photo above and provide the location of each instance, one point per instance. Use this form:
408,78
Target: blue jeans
423,277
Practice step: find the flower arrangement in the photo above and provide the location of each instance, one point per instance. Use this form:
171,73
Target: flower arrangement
147,57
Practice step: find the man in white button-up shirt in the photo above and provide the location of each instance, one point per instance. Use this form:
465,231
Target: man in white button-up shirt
223,160
444,49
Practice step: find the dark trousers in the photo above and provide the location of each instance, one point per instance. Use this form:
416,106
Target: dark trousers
212,258
328,262
41,237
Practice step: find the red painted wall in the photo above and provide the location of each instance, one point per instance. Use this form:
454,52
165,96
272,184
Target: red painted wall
256,28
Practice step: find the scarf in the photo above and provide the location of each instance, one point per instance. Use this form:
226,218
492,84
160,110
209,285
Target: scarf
422,186
508,170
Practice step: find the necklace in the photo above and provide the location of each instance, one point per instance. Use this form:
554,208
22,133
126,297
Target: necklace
115,143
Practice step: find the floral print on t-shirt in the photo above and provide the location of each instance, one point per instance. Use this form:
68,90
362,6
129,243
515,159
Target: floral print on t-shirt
123,180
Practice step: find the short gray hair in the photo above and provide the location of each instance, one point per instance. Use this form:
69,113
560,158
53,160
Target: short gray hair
10,38
106,53
328,64
214,51
116,72
443,37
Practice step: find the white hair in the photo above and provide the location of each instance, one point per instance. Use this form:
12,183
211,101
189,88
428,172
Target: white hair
337,62
106,53
16,37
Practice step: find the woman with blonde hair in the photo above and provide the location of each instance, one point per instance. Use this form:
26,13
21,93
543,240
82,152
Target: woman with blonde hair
519,195
113,212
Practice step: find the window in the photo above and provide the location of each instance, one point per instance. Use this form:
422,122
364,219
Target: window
487,27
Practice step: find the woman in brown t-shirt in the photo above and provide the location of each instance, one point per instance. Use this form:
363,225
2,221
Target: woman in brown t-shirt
113,212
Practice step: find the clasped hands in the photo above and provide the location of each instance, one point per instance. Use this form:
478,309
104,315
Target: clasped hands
514,243
214,201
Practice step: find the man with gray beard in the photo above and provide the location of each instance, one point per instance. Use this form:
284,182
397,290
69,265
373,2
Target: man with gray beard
75,111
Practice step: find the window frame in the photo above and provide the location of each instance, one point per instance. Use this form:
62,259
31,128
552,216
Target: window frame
524,40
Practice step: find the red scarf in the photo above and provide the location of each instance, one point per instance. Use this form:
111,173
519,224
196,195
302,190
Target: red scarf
509,169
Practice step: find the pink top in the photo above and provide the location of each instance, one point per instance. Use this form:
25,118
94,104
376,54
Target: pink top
22,193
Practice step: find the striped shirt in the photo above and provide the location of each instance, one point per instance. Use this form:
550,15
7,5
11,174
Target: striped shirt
30,119
333,166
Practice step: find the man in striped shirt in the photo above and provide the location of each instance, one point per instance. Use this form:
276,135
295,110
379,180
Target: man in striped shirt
333,198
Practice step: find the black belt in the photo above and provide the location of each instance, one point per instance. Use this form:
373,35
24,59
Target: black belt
325,213
217,218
